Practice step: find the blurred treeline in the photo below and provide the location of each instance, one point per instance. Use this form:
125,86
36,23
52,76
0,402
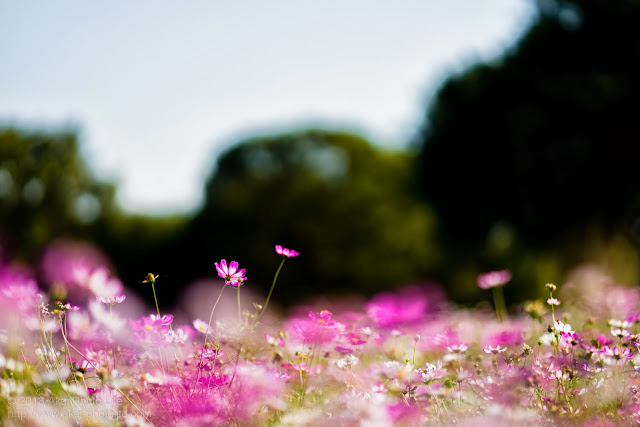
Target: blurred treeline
526,162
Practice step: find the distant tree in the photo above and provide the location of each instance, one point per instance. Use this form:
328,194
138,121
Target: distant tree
47,191
346,206
541,140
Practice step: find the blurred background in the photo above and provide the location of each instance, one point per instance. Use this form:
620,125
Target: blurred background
389,143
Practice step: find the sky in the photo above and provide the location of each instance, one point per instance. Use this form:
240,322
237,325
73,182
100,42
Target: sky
158,89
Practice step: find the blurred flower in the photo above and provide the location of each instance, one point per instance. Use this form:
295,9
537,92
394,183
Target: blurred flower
347,361
200,326
457,348
614,323
231,274
553,301
535,308
179,336
560,326
151,330
18,290
406,306
274,341
98,281
112,300
323,318
164,320
320,329
616,353
620,333
111,320
432,372
289,253
494,350
493,279
509,337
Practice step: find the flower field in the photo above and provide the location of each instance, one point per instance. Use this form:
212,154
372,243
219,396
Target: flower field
404,358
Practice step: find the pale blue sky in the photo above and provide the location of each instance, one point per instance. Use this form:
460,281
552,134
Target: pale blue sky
159,88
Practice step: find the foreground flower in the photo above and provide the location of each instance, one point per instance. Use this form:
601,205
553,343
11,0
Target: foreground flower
289,253
493,279
231,274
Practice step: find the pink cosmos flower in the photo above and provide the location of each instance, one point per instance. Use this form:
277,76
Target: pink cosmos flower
201,326
616,353
112,300
231,274
457,348
407,306
494,350
151,330
61,308
494,279
274,341
553,301
164,320
620,332
320,329
289,253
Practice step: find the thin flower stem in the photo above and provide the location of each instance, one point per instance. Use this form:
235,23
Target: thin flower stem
239,308
498,300
273,285
153,287
206,336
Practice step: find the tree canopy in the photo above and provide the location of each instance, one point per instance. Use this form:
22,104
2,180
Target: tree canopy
541,138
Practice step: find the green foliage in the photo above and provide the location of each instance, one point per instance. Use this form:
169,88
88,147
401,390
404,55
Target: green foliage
536,143
47,191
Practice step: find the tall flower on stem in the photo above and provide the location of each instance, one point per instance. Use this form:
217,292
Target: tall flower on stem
151,278
233,276
495,280
552,301
285,253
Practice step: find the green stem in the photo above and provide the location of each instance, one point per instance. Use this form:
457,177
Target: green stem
273,285
153,287
206,335
498,300
211,318
239,308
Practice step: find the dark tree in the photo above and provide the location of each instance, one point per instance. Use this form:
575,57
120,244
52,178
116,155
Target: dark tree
47,191
544,138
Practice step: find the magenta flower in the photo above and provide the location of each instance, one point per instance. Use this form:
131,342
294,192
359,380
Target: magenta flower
494,279
231,274
289,253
